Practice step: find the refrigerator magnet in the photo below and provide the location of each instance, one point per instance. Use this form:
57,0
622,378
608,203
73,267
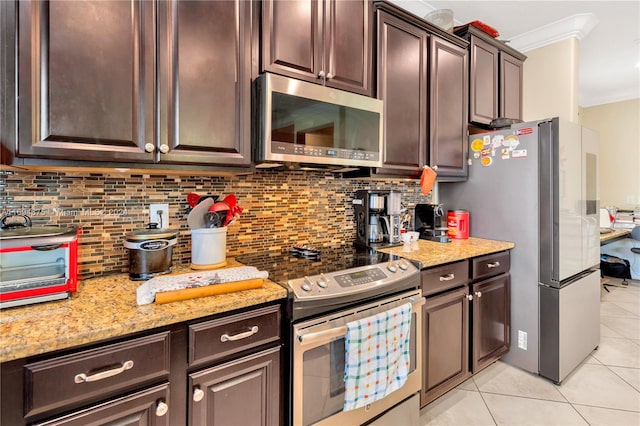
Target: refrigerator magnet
505,153
511,142
486,140
486,161
477,145
519,153
497,141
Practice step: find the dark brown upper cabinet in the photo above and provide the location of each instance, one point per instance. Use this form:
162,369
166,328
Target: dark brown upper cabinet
86,77
205,81
322,41
402,85
495,77
132,82
449,94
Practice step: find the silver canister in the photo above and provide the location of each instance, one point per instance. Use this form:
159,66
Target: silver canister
150,251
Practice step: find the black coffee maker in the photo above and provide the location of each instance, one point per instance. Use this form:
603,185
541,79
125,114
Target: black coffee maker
430,222
377,216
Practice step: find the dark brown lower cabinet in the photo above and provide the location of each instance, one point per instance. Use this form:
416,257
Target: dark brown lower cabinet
145,408
446,337
490,321
245,391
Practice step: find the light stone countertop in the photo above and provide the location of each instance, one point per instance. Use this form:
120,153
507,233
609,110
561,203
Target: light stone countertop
615,234
431,253
105,308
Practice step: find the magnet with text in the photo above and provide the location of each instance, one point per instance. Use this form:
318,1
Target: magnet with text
518,153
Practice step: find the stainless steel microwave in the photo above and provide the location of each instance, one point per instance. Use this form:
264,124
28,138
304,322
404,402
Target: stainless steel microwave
300,122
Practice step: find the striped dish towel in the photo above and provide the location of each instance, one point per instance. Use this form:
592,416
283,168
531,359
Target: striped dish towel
376,356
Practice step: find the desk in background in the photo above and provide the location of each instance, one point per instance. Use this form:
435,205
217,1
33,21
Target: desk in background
614,235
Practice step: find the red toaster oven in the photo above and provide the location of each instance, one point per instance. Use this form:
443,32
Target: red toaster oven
37,263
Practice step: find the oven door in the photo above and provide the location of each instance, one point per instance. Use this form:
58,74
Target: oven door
319,358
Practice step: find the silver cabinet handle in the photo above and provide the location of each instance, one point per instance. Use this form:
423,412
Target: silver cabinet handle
161,409
81,378
478,294
321,74
149,147
198,394
493,265
434,167
164,148
225,337
329,76
469,297
447,277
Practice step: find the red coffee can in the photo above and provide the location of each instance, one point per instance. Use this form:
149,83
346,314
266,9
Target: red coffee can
458,224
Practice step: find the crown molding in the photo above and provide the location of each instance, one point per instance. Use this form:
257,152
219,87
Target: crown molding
578,26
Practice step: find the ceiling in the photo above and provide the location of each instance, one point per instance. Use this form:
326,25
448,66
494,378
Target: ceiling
609,34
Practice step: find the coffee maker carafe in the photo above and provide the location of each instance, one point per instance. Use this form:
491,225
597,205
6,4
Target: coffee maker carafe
431,223
377,216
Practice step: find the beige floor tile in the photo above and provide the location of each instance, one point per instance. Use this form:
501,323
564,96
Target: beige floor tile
618,352
591,360
597,386
502,378
628,327
456,408
608,417
607,332
633,307
636,341
510,410
616,309
629,375
468,384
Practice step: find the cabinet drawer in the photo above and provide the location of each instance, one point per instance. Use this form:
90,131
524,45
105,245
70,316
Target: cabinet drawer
217,339
94,374
442,278
489,265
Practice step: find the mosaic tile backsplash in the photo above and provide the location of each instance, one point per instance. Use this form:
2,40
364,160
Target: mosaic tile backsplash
281,208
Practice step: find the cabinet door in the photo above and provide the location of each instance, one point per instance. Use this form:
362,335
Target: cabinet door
402,85
347,47
449,95
491,320
242,392
145,408
205,91
510,86
483,85
292,38
87,78
446,343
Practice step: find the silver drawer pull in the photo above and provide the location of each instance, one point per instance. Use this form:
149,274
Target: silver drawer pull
225,337
81,378
493,265
161,409
447,277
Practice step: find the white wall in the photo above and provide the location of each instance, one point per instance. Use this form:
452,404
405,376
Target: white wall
550,82
618,126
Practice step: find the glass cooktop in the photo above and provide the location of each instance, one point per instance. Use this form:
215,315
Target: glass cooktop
285,266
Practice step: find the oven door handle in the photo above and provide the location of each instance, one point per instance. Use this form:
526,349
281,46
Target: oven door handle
326,336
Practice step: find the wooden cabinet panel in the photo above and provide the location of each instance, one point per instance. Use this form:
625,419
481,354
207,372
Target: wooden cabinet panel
448,97
321,41
441,278
87,77
402,85
483,85
490,265
491,320
220,338
510,86
205,91
446,344
242,392
95,374
144,408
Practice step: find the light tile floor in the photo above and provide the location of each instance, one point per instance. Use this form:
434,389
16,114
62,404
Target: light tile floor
603,390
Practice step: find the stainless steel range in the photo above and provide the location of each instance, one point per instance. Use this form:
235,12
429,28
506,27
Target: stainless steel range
326,293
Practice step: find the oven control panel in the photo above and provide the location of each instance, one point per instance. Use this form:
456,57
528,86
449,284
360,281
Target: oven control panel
354,280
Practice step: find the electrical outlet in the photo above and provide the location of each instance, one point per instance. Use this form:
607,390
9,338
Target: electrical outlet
159,213
522,339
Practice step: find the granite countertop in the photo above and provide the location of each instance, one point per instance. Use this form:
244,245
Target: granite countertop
106,307
431,253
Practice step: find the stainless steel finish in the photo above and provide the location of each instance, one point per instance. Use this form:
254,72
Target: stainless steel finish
317,332
493,264
447,277
149,147
84,378
376,202
198,394
161,409
270,83
226,338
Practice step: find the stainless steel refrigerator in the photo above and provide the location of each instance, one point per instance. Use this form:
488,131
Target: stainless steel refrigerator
536,185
